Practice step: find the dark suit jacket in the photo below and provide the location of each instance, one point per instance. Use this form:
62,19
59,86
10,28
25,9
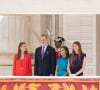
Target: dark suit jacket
46,66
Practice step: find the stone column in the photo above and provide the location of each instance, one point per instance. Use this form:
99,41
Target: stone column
98,44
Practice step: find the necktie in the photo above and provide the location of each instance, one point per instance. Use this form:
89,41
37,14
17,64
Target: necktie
43,53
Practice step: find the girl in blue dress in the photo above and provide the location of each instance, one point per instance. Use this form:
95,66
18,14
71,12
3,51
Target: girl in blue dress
62,62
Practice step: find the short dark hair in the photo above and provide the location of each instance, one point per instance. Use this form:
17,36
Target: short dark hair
44,35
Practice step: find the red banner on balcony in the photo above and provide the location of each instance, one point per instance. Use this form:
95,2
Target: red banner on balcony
49,84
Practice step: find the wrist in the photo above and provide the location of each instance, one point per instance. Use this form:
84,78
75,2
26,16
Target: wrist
76,74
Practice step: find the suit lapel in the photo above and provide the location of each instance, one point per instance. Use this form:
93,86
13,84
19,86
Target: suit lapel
46,51
40,51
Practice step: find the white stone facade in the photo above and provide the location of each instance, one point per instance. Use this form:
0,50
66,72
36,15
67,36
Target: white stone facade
14,29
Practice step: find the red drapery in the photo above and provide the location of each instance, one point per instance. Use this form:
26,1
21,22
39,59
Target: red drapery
49,84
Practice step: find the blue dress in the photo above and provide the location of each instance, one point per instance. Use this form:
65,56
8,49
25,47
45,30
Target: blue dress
62,65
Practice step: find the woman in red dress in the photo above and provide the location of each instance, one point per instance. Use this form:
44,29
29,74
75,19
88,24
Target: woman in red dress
22,62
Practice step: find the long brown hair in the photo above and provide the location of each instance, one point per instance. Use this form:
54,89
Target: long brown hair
80,52
19,50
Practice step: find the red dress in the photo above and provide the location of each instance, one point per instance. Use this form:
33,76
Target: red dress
22,67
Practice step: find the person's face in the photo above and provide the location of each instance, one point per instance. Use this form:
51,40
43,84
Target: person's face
63,52
58,44
44,41
23,48
75,47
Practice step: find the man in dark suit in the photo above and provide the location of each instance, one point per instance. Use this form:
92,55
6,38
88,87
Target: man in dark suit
45,59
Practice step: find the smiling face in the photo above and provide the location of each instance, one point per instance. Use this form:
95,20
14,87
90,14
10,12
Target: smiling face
75,47
44,40
23,48
58,44
63,52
